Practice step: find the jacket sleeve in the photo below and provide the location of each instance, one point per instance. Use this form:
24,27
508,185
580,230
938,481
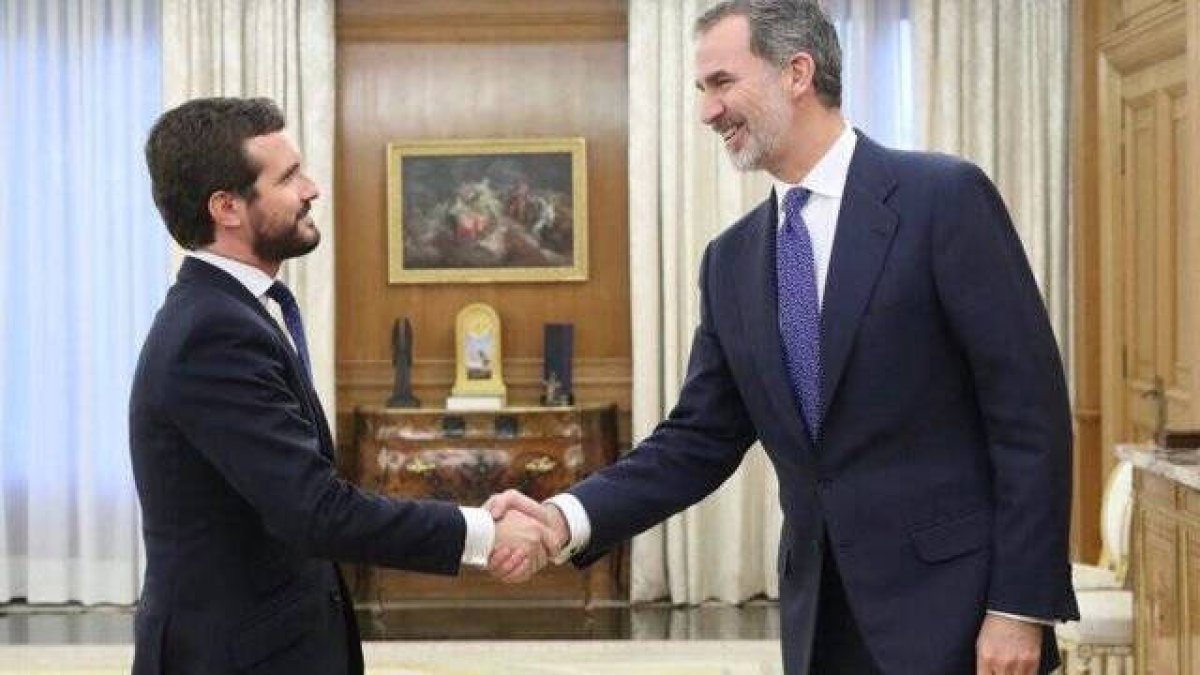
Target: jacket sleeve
688,455
997,316
228,396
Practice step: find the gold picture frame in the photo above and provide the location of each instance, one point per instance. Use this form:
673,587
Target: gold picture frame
487,211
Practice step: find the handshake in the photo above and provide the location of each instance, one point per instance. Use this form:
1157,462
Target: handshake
528,536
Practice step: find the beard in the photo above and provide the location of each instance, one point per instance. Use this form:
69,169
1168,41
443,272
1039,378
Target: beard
293,241
763,133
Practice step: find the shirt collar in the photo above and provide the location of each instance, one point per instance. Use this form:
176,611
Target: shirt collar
255,280
828,177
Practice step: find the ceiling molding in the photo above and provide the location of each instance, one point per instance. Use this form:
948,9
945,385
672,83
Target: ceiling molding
484,27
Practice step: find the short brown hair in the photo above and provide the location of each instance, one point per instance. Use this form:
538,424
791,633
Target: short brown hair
199,148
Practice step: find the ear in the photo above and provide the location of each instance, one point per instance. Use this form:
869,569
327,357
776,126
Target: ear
799,72
226,209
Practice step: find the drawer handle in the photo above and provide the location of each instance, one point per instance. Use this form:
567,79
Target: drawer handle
541,465
420,467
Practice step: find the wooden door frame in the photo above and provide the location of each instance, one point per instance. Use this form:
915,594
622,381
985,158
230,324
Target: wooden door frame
1192,65
1156,39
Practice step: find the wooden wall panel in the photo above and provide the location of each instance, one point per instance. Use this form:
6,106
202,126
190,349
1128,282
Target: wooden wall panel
481,21
1123,13
1192,203
479,69
1090,463
1132,124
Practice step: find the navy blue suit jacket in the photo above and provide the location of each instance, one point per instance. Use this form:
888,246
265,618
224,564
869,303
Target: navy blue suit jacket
942,479
242,509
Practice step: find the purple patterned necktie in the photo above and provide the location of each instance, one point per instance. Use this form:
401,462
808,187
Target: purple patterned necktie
291,316
799,308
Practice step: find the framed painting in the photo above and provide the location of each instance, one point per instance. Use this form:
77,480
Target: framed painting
485,211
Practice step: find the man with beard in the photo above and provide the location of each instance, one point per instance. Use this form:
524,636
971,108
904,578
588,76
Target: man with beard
242,508
874,323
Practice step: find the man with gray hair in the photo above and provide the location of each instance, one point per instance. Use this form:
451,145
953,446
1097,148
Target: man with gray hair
874,323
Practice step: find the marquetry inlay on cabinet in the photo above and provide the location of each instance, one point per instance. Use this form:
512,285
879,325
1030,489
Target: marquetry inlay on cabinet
1166,568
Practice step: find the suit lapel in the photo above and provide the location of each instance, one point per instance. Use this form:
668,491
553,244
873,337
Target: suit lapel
199,271
865,230
759,303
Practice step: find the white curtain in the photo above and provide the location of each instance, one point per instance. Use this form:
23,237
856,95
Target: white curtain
83,261
682,192
284,50
877,68
993,81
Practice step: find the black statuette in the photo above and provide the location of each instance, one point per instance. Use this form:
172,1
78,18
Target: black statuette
556,364
402,344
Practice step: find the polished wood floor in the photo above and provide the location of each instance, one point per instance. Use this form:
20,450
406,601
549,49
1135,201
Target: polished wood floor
23,624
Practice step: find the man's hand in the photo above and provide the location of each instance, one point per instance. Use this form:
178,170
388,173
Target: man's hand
522,548
548,515
1008,646
508,564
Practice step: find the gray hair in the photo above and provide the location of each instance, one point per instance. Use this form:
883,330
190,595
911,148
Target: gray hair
779,29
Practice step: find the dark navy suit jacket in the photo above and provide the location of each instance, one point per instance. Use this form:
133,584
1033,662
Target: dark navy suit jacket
241,505
942,479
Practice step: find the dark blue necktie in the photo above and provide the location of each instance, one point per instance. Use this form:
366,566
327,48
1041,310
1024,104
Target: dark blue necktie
799,308
291,317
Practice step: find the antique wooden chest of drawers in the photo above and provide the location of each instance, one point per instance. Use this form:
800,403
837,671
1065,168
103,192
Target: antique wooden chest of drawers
465,457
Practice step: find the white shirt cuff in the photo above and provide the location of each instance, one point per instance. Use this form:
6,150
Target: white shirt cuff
577,522
481,534
1019,617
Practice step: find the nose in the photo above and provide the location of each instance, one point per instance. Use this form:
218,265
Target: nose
311,191
711,108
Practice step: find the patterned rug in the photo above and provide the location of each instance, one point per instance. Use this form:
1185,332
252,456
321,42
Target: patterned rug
679,657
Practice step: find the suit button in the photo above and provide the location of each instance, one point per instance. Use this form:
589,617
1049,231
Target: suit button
335,597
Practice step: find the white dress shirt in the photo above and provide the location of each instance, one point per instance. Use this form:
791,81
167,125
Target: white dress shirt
481,531
827,182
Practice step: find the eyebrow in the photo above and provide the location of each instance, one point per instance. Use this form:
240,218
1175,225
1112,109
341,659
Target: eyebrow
290,172
712,78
